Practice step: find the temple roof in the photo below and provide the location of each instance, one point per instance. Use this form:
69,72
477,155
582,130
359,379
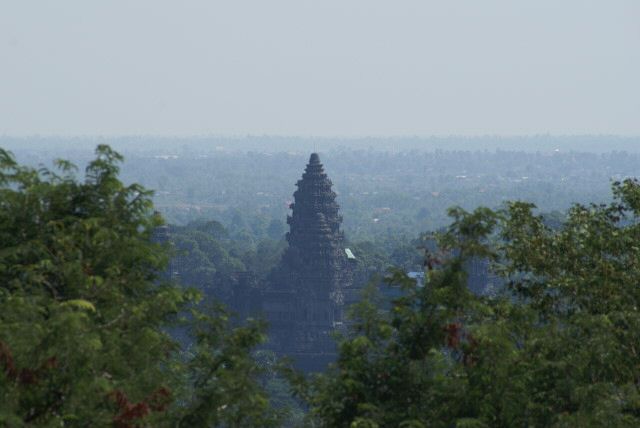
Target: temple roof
314,209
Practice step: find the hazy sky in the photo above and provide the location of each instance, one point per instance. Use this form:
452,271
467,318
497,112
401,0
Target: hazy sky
321,67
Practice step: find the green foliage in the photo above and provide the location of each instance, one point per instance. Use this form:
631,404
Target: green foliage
84,318
557,348
224,388
83,315
202,259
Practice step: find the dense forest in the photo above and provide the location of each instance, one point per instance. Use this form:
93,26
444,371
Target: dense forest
102,323
387,189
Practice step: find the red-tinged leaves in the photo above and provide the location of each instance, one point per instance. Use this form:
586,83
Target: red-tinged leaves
6,360
120,398
50,363
453,332
160,399
27,377
470,358
129,414
24,376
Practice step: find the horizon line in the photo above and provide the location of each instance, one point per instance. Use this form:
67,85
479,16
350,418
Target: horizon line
321,137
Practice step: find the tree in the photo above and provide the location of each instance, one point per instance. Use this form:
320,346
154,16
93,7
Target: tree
224,380
558,347
84,317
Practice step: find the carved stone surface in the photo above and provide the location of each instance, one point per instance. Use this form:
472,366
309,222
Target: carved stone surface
305,297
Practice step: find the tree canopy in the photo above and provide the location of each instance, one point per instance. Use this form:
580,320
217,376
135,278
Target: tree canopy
88,320
558,347
84,314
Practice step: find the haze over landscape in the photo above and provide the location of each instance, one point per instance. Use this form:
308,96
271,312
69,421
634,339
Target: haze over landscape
304,213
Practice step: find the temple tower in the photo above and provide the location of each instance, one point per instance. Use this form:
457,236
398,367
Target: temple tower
305,298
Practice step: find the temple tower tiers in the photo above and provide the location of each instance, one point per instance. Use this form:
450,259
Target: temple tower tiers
304,301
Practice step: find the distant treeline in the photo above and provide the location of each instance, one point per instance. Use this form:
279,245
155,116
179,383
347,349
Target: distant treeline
381,193
274,144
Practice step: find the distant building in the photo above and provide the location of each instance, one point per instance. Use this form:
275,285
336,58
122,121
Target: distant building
418,277
305,297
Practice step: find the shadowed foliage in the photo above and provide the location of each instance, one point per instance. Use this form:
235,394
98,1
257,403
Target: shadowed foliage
83,314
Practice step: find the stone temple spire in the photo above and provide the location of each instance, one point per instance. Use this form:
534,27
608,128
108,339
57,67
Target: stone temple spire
304,299
314,221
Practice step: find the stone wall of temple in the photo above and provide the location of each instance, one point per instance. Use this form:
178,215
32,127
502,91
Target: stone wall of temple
304,300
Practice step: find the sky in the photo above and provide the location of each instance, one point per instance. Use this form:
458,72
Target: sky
319,67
